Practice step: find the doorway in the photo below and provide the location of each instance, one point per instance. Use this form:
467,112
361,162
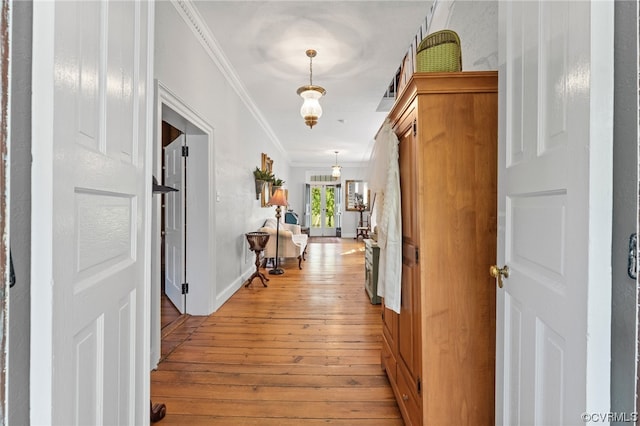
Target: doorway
196,283
323,210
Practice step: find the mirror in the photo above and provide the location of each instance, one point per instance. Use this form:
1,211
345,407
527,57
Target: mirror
357,194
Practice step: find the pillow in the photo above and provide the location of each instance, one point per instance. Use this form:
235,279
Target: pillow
270,223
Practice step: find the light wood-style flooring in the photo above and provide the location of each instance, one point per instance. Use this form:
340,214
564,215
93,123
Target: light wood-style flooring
303,351
169,314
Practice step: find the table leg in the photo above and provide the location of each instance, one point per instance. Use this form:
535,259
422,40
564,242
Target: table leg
257,273
158,411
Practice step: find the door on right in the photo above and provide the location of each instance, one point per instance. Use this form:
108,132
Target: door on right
554,211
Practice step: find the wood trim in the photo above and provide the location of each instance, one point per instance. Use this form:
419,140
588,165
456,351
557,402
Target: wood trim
437,83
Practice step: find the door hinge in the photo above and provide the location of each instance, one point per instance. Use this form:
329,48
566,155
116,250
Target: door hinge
419,385
415,127
185,151
185,288
632,263
417,254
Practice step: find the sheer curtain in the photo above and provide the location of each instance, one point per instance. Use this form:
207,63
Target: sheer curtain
384,183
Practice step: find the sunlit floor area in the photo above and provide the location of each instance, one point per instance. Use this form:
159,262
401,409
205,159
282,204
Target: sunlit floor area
303,351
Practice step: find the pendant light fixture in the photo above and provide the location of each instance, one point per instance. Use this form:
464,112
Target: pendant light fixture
311,109
336,170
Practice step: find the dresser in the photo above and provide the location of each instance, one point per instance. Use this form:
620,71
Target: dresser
371,257
439,352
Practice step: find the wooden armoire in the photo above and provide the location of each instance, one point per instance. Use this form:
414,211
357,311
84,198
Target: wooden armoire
439,352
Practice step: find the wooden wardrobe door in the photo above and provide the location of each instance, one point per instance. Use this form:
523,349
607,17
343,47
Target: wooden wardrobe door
409,319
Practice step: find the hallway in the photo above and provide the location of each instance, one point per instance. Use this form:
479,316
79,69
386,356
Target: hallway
305,350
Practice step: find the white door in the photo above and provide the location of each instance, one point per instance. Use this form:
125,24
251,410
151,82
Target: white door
91,195
323,211
174,226
553,313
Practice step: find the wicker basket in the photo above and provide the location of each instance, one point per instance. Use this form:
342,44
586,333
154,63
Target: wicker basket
439,52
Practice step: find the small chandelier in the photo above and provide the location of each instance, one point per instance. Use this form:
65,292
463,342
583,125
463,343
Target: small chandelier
311,109
335,172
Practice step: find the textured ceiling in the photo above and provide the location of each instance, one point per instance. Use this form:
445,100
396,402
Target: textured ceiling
360,46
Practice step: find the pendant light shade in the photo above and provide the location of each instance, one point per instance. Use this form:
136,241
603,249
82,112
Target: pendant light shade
311,109
336,170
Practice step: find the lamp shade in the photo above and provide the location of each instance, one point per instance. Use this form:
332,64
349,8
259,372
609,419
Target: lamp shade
336,169
278,198
311,109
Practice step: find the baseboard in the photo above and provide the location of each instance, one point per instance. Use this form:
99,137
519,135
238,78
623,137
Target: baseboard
226,294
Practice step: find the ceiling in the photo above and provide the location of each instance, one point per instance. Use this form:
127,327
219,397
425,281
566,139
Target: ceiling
360,46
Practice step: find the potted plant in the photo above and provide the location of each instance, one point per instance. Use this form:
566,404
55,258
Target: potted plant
261,177
277,181
264,175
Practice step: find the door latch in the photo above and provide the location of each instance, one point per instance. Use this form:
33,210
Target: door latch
499,273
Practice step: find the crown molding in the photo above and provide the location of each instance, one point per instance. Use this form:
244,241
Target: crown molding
189,13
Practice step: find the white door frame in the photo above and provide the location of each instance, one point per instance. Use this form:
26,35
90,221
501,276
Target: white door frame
200,266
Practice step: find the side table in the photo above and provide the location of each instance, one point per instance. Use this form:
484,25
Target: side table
257,242
362,230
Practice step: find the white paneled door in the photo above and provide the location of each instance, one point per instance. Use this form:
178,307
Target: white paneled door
553,319
91,189
174,226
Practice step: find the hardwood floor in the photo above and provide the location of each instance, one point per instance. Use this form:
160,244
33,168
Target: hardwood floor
303,351
168,312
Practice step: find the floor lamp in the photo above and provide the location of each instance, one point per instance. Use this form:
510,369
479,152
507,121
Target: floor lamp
278,199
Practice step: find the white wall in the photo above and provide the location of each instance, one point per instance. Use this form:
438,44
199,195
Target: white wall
188,71
295,185
476,23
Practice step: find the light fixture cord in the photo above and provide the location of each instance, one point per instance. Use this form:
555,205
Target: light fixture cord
310,70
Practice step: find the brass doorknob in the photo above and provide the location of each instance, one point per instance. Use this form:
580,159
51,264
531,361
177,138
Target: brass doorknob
498,273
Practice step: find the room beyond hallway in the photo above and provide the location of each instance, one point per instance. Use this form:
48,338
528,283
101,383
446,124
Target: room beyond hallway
304,350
